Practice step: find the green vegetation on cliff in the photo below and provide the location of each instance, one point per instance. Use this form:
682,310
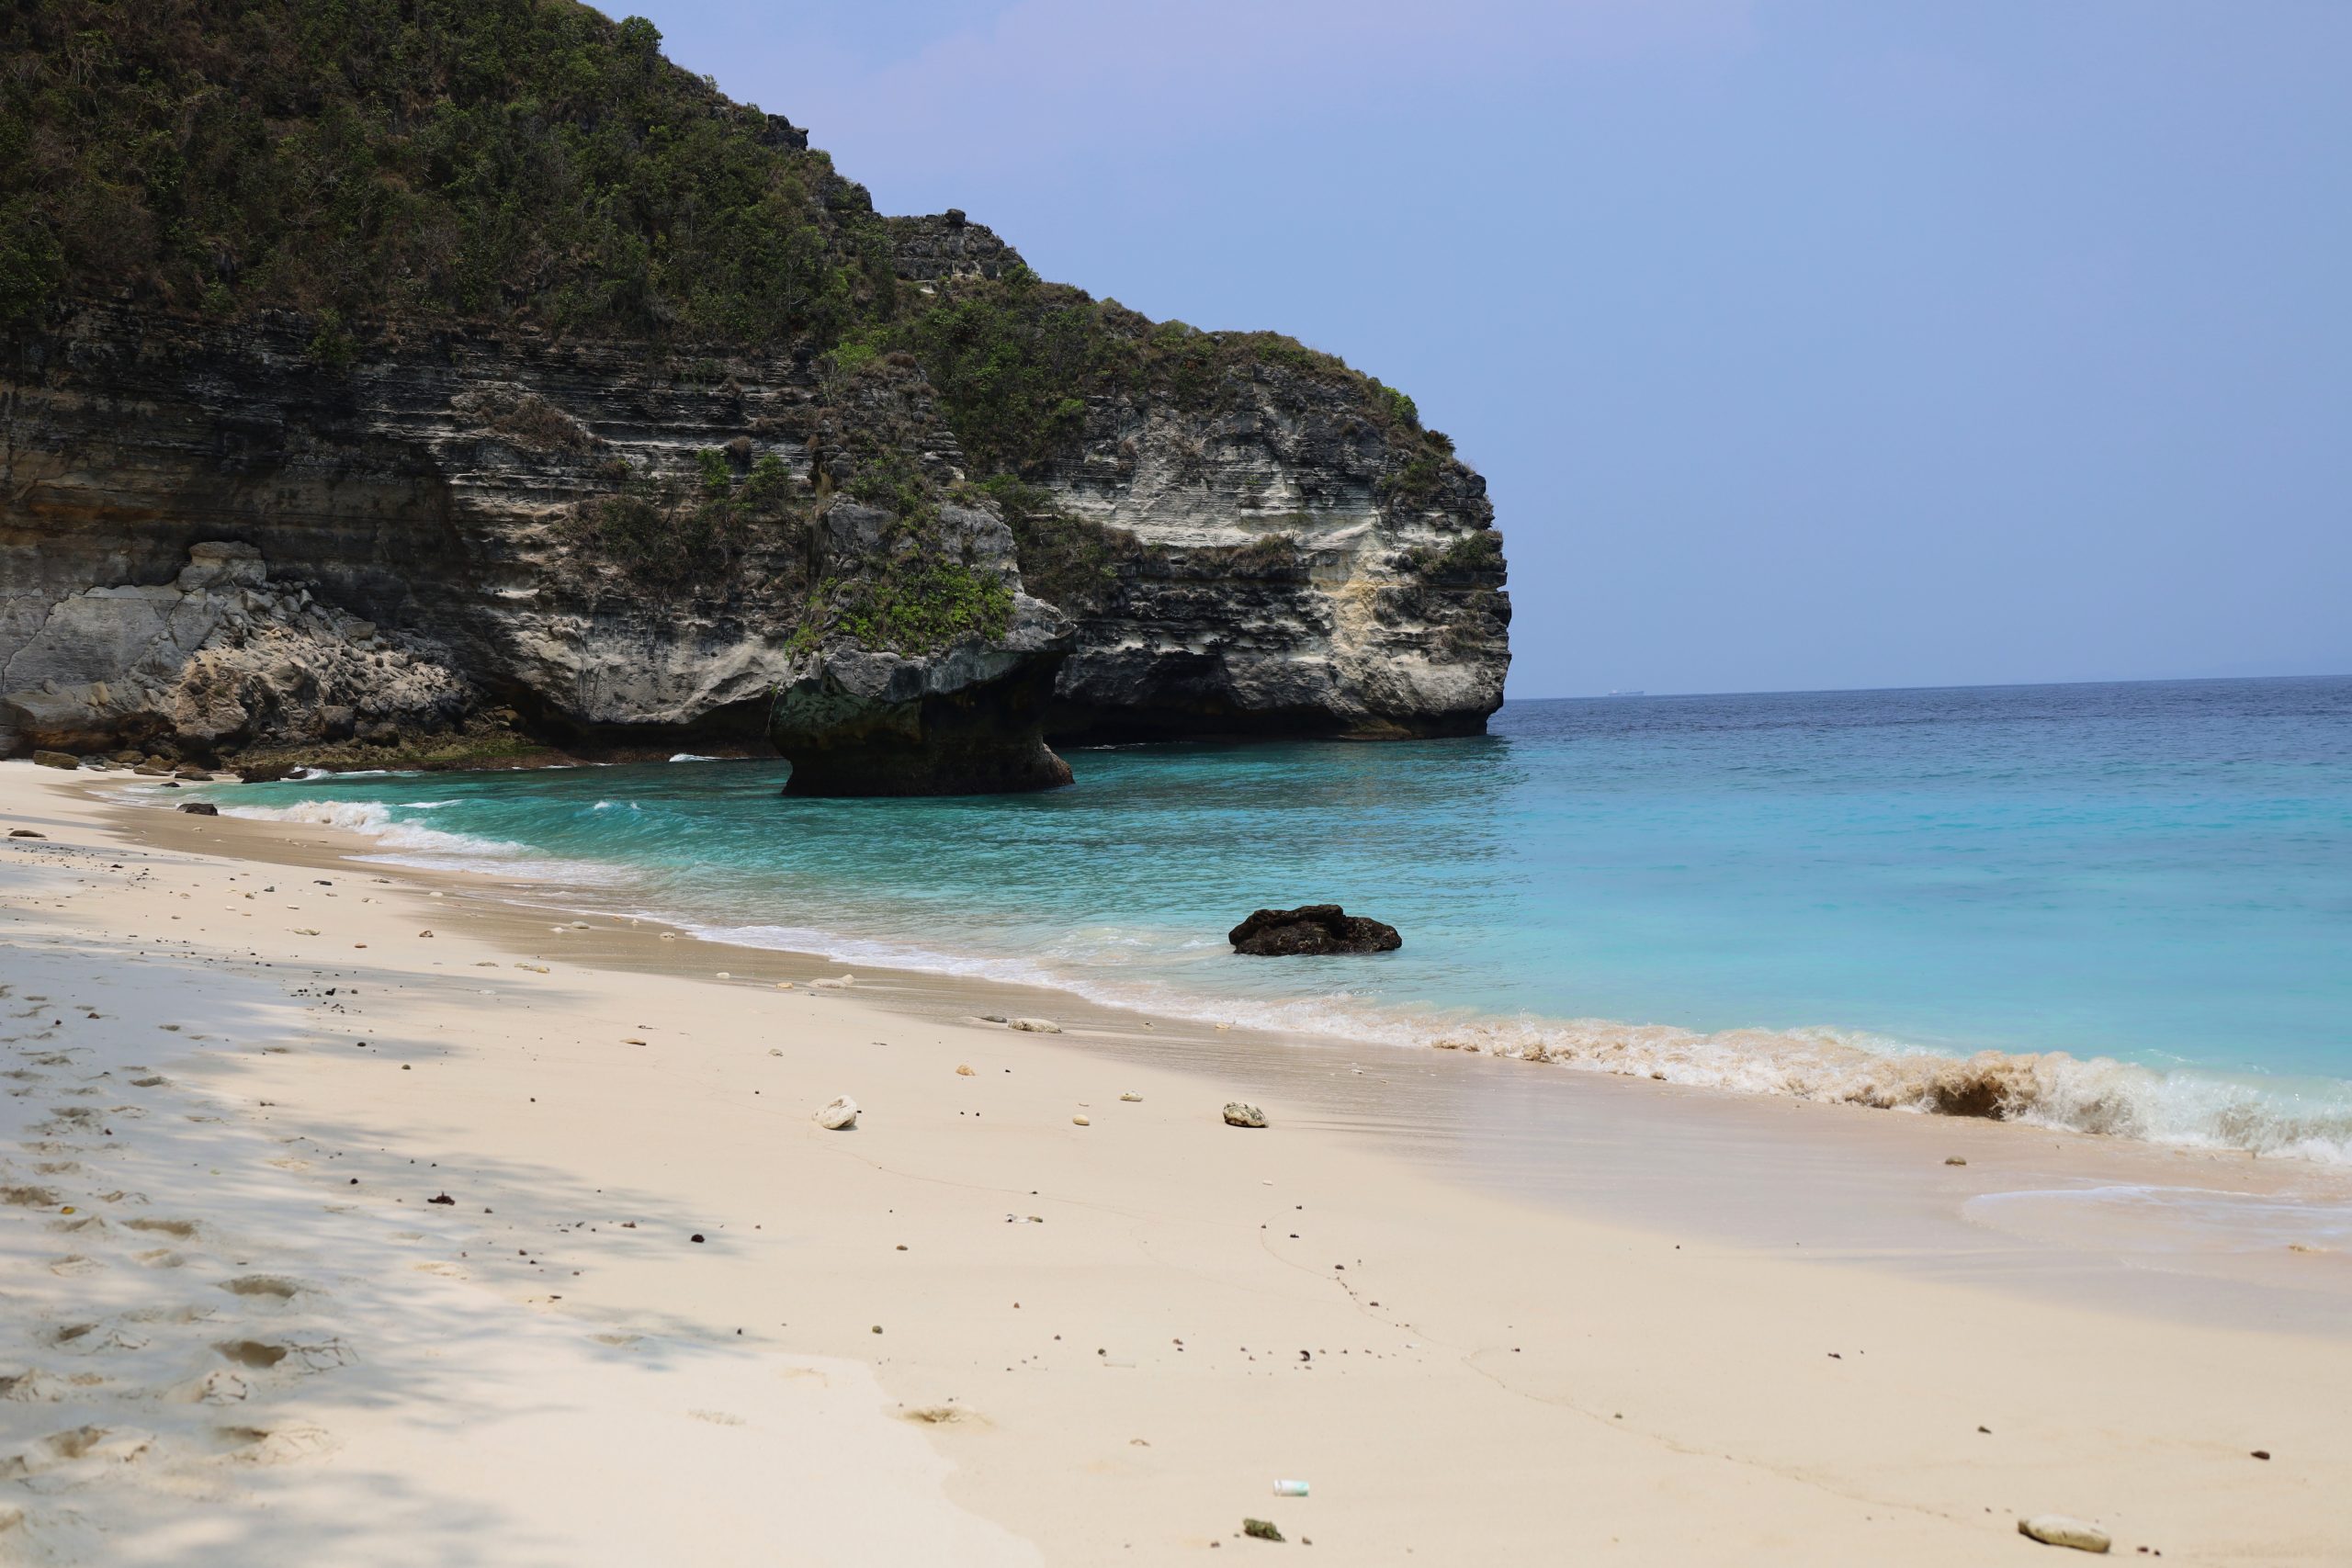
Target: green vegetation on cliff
1015,357
376,165
471,159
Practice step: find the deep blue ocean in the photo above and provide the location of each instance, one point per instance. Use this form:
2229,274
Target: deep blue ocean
1838,895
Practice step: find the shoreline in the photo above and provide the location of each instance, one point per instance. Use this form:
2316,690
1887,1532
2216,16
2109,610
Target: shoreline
2228,1110
1913,1218
1538,1380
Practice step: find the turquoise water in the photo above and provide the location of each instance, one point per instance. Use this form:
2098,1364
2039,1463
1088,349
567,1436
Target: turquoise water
1833,895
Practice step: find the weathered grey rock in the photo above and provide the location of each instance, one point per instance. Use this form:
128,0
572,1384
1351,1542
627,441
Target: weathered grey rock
432,500
949,244
2057,1530
967,718
1237,1114
1311,929
56,760
1286,581
169,661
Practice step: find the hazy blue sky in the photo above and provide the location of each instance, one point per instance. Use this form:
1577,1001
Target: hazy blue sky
1802,344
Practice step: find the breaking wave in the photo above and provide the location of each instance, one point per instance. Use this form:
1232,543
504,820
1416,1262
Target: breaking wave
413,844
2308,1119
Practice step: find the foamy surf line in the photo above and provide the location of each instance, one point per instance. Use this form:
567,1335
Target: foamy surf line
425,849
2097,1095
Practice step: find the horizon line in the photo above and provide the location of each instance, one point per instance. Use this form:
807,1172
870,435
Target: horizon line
1940,686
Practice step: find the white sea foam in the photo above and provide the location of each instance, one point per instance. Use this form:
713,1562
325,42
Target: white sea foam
413,844
2308,1120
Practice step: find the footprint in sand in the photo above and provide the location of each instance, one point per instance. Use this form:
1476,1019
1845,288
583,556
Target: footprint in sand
218,1387
944,1415
33,1386
91,1338
288,1444
74,1266
102,1445
295,1357
184,1229
264,1287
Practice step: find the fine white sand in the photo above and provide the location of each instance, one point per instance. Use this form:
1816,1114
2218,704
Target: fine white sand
238,1331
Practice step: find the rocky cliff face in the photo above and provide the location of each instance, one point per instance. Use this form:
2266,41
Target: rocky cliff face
438,391
444,527
1288,577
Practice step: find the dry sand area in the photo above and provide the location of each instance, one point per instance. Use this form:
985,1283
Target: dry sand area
327,1240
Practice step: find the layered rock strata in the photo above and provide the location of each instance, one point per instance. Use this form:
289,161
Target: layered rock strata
1293,575
458,523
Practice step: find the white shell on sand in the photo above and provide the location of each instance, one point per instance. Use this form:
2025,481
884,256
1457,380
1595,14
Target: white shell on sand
1035,1025
837,1116
2057,1530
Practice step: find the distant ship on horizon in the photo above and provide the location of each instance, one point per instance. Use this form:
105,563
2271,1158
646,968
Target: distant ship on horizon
1626,694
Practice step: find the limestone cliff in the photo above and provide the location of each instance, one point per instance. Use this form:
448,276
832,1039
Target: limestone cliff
754,466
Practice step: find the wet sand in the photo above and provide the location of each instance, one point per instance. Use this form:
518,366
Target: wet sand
1491,1310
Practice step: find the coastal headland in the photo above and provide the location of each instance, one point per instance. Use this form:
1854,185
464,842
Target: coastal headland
356,1213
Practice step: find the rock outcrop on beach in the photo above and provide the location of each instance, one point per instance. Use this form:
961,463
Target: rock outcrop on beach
755,466
968,719
219,658
1309,929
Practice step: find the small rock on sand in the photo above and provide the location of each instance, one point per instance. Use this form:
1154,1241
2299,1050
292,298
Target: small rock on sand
1035,1025
1080,1122
1131,1099
56,760
1237,1114
24,833
964,1069
839,1116
1955,1159
2057,1530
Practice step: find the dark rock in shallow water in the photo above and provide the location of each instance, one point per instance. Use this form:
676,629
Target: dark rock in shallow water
1311,929
200,808
963,718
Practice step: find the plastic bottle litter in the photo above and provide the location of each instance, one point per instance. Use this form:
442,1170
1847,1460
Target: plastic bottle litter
1290,1488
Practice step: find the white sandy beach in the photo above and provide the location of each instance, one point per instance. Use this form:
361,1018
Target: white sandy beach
1011,1318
